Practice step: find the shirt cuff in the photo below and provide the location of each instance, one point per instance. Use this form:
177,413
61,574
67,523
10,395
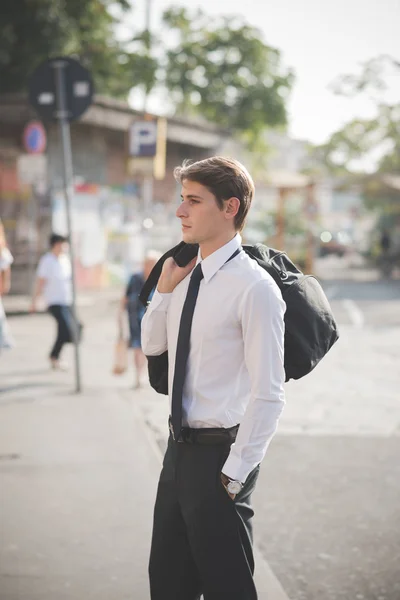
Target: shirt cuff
160,301
237,469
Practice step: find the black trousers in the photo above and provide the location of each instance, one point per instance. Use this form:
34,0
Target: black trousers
64,319
202,540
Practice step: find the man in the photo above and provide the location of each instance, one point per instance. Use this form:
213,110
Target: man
226,386
55,283
131,303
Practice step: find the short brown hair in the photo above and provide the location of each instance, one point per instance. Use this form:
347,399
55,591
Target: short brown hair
225,178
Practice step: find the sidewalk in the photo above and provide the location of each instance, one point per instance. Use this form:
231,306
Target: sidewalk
77,478
78,473
76,498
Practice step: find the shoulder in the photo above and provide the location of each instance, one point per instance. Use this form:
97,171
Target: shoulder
46,259
136,280
259,289
252,274
45,266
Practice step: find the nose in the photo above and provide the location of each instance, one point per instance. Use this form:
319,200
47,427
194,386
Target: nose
181,211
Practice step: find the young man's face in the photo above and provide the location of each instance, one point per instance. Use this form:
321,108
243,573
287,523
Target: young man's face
201,218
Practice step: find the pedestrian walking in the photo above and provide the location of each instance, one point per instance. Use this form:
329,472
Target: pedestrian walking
221,318
131,305
54,281
6,260
385,242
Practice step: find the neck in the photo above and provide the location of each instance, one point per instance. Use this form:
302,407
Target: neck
208,247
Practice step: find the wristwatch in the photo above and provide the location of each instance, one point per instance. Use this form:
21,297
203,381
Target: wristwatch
231,485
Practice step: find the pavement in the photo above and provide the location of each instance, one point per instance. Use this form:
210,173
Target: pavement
78,472
78,475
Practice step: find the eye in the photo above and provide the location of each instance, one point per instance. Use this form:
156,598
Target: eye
192,201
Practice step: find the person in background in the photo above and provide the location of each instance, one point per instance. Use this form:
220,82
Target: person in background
131,304
385,242
54,281
6,261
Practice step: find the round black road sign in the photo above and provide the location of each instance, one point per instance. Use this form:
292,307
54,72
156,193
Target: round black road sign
75,81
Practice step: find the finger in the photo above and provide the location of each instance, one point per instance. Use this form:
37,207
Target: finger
169,262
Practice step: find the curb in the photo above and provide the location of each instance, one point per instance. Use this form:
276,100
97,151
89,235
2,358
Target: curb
19,307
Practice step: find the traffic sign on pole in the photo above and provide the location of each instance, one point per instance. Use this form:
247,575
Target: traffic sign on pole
61,89
78,89
143,139
34,138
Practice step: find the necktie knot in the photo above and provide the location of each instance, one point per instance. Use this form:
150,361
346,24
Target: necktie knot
197,274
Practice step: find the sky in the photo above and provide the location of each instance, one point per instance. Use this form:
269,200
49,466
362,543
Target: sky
319,40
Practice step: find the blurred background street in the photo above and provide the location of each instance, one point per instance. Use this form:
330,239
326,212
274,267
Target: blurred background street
307,98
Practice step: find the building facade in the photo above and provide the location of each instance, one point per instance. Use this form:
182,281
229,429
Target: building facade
112,225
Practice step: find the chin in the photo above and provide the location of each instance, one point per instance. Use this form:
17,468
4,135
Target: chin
188,237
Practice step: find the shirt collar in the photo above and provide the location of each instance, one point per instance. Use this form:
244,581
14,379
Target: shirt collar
217,259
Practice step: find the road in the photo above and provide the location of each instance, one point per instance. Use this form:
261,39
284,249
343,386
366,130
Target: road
328,498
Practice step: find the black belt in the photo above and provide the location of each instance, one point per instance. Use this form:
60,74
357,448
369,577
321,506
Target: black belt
206,435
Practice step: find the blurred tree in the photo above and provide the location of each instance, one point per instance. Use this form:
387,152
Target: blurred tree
220,69
379,136
223,70
33,30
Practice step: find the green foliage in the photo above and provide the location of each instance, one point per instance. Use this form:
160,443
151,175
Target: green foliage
362,137
224,70
34,30
220,69
371,78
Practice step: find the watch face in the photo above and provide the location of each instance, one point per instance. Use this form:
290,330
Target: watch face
234,487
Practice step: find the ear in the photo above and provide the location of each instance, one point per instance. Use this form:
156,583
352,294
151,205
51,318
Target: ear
232,206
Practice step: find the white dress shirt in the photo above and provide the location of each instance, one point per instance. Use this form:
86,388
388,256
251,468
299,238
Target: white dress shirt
235,371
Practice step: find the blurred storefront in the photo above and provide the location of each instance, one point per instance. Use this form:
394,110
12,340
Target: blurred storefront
112,224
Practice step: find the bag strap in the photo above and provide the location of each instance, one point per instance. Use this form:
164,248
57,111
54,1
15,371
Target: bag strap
235,254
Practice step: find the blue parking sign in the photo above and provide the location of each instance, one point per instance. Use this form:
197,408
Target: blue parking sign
35,138
143,139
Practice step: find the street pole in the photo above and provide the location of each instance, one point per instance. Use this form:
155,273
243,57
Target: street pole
147,186
62,115
311,209
280,218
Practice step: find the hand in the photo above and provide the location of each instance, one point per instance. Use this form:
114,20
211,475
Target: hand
225,480
171,275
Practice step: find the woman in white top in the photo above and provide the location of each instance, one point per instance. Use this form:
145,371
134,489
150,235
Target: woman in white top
6,260
55,283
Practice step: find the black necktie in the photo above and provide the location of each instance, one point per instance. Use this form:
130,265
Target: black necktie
182,350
